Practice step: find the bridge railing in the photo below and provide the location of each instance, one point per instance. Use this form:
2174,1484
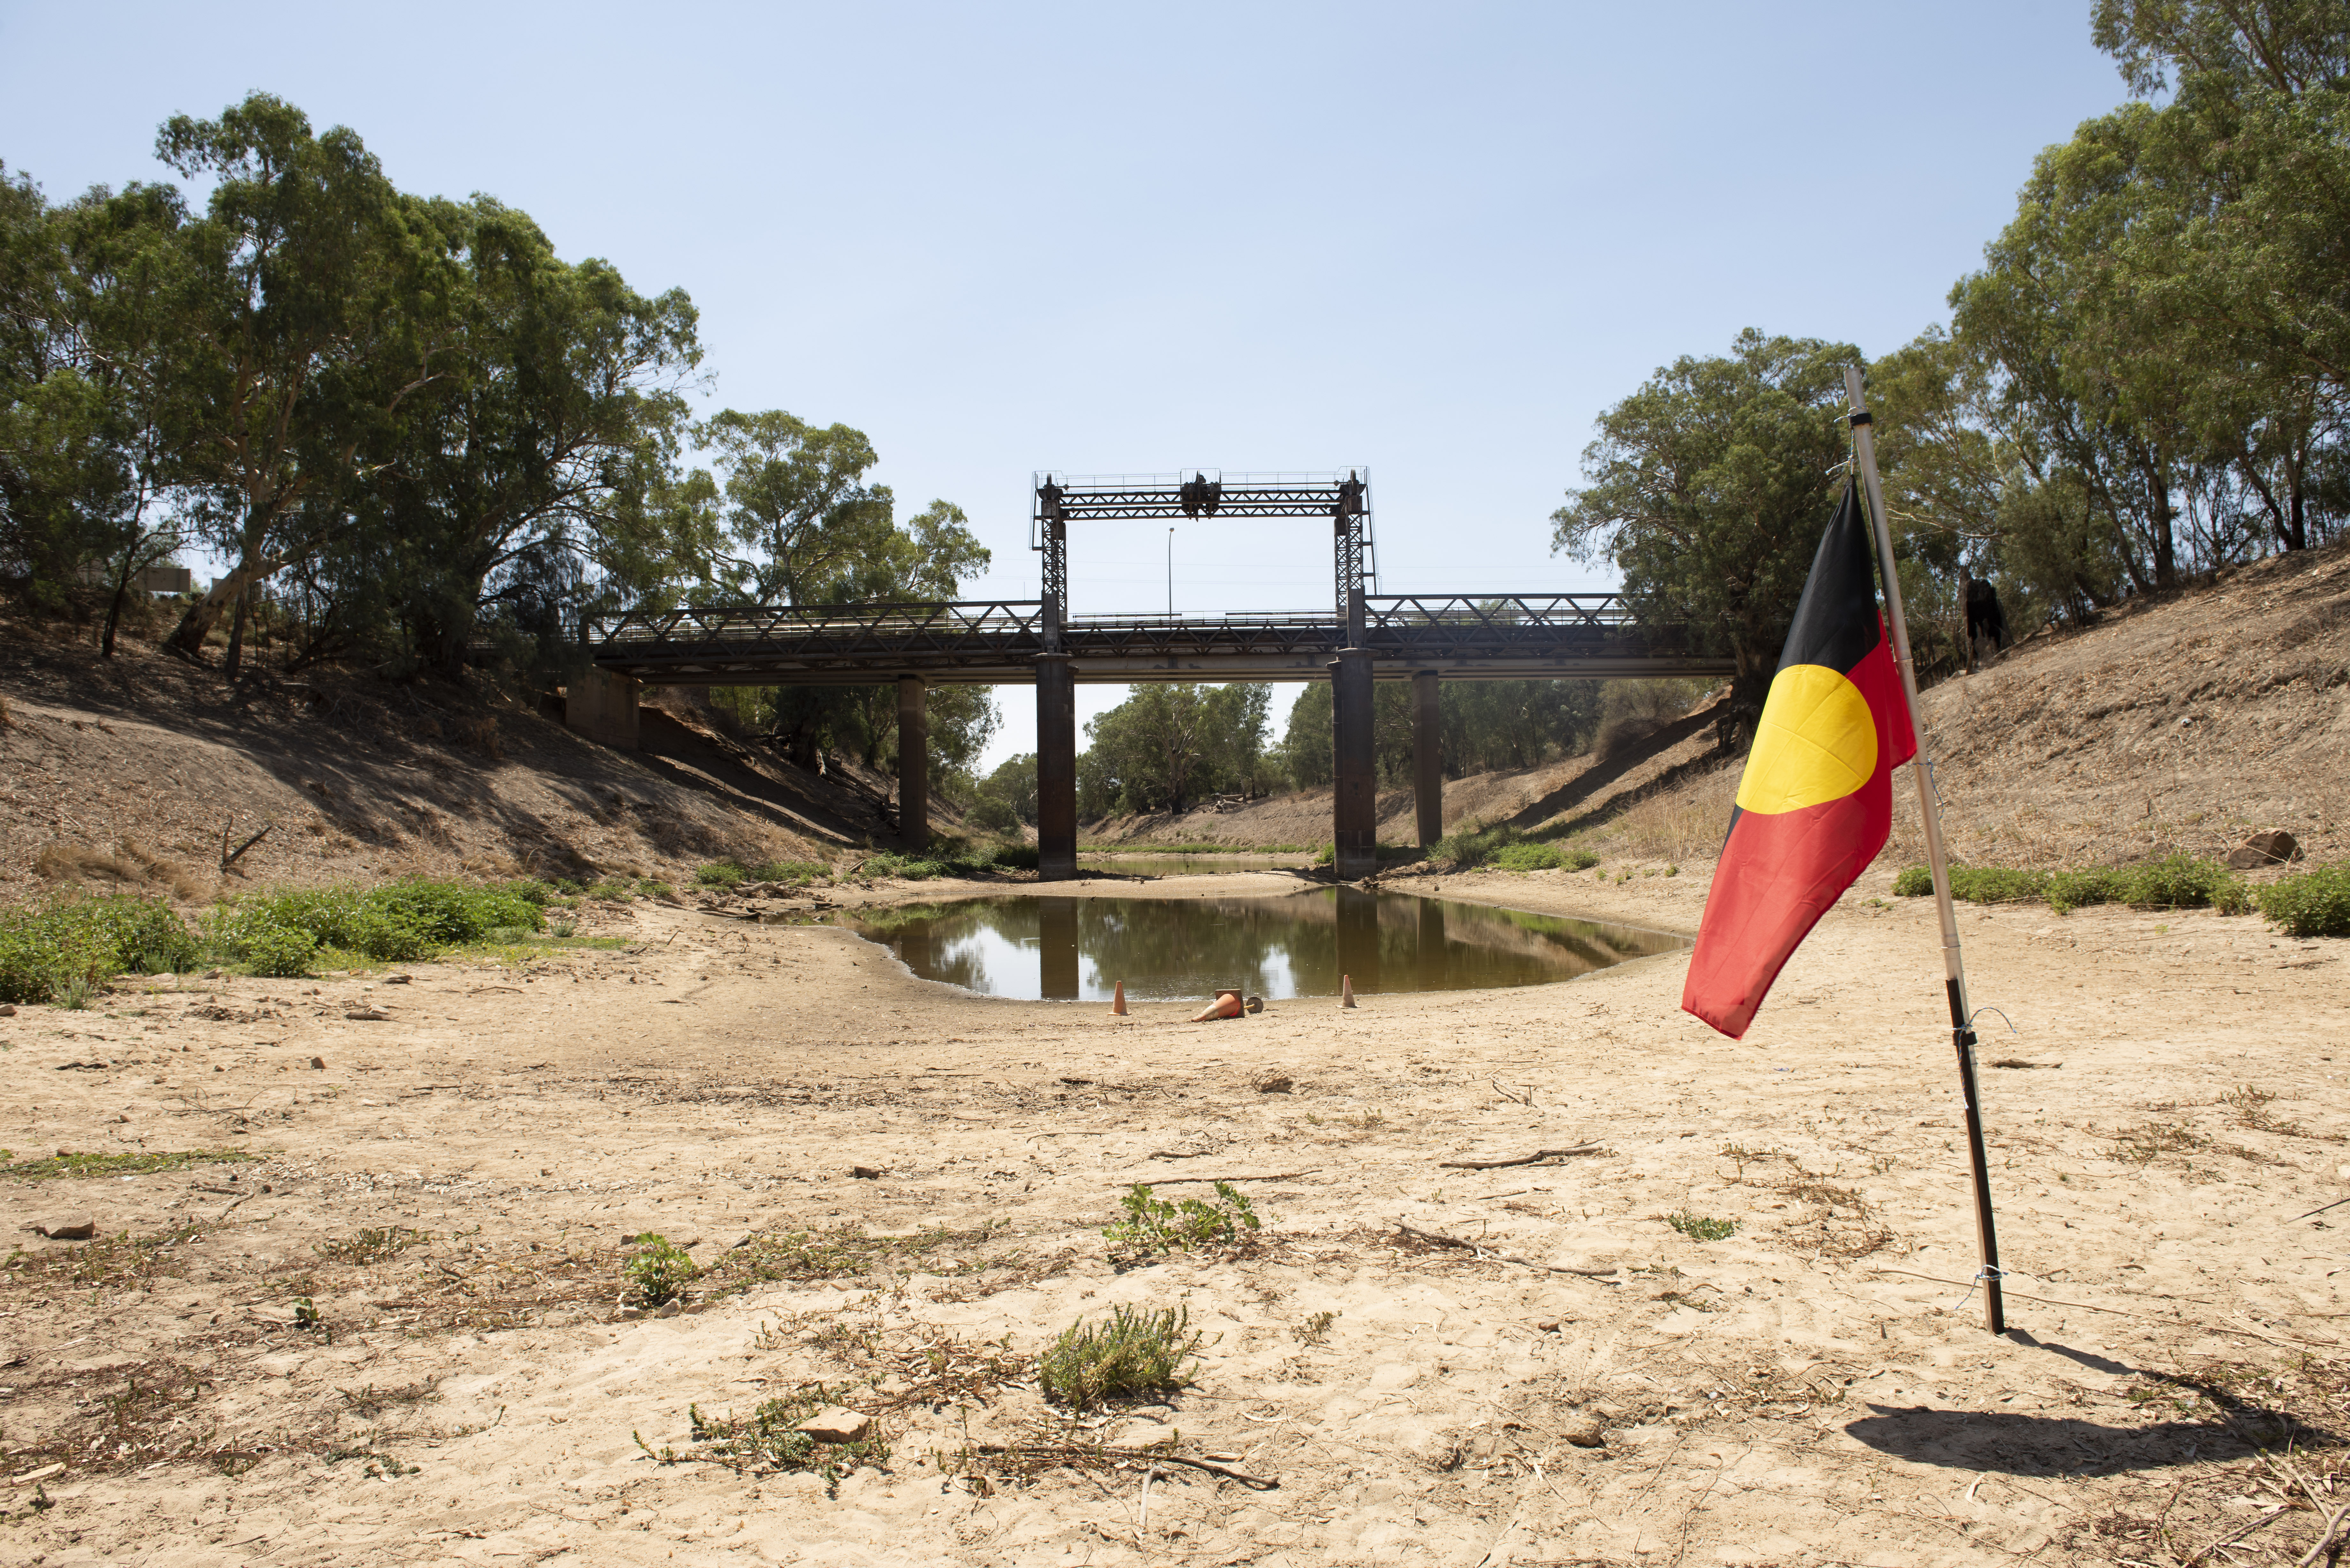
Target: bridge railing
1508,613
745,627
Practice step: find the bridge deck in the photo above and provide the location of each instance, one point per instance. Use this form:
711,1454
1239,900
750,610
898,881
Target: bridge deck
1502,637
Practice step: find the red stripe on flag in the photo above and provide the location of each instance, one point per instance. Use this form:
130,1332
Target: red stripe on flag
1779,873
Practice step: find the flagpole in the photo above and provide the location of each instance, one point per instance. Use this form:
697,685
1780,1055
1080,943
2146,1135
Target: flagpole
1962,1033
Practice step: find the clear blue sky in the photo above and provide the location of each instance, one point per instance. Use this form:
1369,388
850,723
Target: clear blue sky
1436,240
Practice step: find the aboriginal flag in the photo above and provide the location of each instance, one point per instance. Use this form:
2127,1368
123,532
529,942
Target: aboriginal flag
1815,803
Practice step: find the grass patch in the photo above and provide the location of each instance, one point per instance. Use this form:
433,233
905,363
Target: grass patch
2174,882
65,947
1131,1353
1702,1227
1508,848
1154,1225
64,1163
2310,903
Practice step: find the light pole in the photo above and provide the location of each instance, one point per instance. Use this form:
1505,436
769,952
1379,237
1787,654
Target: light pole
1171,573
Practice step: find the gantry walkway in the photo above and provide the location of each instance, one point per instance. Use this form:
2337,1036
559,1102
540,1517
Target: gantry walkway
1364,637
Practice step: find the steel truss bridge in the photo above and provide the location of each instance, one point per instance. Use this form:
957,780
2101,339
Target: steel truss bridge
1502,637
1363,637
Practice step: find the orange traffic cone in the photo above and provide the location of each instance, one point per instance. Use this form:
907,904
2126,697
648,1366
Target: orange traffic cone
1345,990
1118,1001
1227,1004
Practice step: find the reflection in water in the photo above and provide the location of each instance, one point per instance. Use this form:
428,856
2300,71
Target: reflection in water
1295,945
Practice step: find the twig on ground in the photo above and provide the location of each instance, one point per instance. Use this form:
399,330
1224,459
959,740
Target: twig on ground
1534,1158
1438,1238
1525,1099
230,857
1181,1180
1087,1452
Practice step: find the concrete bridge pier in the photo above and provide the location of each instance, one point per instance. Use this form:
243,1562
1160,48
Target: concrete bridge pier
1056,768
1355,794
913,765
1427,756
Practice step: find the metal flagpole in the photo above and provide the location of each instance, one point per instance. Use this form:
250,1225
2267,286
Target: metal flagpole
1962,1033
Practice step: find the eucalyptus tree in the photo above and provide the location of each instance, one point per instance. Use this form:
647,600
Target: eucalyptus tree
313,305
544,458
1706,491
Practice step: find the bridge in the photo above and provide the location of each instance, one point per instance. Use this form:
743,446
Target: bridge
1363,638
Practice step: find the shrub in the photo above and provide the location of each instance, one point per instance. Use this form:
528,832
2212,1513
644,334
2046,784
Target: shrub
281,952
2186,882
2175,882
397,922
1154,1225
719,874
1134,1352
1509,848
2310,903
77,944
657,1272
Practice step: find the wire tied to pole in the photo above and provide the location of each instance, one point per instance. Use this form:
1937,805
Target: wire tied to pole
1990,1272
2003,1018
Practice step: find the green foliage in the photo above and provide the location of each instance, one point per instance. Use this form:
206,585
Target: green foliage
1701,1227
2175,882
2315,903
769,1437
1482,726
88,1165
1510,849
1708,488
1167,745
1132,1353
69,946
657,1272
394,922
951,859
1005,801
1154,1225
280,951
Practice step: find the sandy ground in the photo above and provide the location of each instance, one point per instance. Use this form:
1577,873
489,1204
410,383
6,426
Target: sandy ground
1816,1388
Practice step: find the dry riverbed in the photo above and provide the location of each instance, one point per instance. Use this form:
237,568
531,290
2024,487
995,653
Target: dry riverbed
395,1332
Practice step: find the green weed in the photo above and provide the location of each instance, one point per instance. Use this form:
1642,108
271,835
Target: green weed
1702,1227
64,1163
769,1438
657,1272
1154,1225
1131,1353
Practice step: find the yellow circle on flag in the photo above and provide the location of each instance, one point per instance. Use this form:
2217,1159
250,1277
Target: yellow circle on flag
1817,742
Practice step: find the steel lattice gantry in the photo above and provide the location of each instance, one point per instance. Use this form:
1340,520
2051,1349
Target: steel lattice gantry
1363,637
